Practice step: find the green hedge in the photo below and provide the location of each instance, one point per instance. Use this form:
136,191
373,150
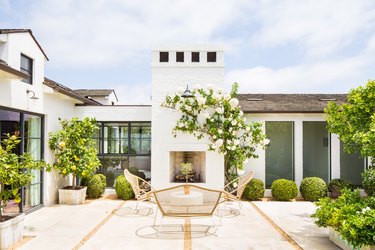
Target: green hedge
336,185
284,190
254,190
313,188
368,181
123,188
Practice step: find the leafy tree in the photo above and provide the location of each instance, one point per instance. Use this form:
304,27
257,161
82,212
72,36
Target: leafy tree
74,148
14,171
354,121
216,116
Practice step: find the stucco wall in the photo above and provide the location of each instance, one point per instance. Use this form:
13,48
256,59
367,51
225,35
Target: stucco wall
166,79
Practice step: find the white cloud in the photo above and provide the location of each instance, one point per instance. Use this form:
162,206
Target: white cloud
78,33
320,27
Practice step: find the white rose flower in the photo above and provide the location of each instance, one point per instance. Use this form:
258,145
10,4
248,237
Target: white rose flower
219,110
234,122
226,97
240,171
213,146
220,131
234,185
233,148
266,141
229,148
201,100
229,142
206,115
244,119
236,142
219,143
216,96
188,108
241,113
234,133
247,129
246,161
214,136
233,102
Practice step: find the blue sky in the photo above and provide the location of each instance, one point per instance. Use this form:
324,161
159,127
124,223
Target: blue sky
270,46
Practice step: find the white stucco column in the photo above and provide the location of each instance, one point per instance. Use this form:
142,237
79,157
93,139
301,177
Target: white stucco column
298,151
335,156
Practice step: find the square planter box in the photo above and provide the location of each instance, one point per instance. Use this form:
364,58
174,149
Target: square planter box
72,197
336,238
11,231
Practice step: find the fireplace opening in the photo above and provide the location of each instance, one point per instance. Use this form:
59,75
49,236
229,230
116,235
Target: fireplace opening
198,161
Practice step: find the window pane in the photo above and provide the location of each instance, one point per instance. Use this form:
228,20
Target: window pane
32,196
33,126
351,166
33,147
112,166
142,163
146,147
195,56
316,148
9,122
279,153
135,146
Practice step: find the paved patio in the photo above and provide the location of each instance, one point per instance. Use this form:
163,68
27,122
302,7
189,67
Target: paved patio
107,224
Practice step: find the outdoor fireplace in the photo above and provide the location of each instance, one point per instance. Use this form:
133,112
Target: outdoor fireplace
198,161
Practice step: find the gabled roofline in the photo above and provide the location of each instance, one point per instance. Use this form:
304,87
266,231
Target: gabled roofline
68,92
11,31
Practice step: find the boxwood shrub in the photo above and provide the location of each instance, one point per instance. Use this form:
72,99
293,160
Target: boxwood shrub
254,190
313,188
123,188
335,186
284,190
368,181
96,186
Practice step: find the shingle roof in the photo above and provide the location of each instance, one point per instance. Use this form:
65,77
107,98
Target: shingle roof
69,92
95,92
9,31
287,103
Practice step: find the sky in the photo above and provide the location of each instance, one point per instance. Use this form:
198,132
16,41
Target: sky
271,46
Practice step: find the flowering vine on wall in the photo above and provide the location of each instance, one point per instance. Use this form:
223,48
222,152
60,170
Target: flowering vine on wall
213,114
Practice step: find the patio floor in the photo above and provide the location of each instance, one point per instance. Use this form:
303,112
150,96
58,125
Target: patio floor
107,224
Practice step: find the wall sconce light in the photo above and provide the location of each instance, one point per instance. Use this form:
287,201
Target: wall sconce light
33,97
187,93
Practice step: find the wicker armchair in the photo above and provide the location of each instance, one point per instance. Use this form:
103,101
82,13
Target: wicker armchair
141,188
177,202
236,194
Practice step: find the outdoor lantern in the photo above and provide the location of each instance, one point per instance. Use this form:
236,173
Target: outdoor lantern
187,93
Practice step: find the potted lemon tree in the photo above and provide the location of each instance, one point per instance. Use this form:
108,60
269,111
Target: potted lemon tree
14,174
75,155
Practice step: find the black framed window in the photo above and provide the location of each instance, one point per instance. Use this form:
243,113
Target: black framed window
27,68
163,56
29,128
211,56
179,56
194,56
124,145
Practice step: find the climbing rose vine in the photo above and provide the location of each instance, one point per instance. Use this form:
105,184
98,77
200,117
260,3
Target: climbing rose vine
215,115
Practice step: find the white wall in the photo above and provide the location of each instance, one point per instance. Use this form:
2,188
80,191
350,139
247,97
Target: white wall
259,165
115,113
166,78
13,93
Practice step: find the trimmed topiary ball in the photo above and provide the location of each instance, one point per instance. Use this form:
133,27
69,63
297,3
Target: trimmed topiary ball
313,188
335,186
96,186
104,181
284,190
368,181
254,190
123,188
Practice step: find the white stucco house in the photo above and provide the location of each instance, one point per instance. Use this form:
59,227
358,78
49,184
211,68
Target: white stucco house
139,136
